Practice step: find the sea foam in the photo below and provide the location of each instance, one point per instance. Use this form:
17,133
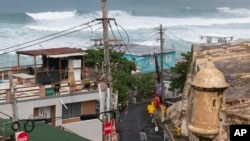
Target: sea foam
52,15
236,11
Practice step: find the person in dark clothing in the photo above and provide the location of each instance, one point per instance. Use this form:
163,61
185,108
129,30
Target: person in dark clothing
57,87
143,135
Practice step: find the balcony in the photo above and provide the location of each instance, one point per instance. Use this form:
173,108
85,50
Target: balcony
62,72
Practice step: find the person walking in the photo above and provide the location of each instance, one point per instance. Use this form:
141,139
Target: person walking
157,102
143,135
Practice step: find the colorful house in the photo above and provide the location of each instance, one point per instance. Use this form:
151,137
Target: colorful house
37,95
144,57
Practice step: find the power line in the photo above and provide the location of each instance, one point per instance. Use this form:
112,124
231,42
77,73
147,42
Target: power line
48,35
178,37
149,37
120,32
47,39
111,29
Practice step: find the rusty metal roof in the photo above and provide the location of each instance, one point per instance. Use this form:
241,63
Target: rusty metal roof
50,51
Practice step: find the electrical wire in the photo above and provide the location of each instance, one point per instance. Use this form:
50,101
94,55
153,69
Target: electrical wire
91,32
178,37
150,36
47,39
48,35
117,25
97,33
111,29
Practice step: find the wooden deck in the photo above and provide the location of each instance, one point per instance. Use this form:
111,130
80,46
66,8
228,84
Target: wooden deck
25,85
34,91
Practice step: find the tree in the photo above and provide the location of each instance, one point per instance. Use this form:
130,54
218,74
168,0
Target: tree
123,82
93,57
145,85
180,72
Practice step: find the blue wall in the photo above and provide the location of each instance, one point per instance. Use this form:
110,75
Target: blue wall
147,63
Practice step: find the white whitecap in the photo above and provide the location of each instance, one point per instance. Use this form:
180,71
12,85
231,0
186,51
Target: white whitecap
52,15
236,11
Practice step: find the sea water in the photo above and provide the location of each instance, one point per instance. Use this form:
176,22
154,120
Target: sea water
34,24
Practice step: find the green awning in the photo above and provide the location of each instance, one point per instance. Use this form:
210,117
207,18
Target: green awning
41,132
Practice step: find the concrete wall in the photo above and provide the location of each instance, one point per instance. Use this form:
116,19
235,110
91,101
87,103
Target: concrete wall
26,111
91,129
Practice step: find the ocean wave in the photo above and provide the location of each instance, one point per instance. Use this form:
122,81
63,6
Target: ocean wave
237,11
197,21
137,22
74,18
127,20
14,18
52,15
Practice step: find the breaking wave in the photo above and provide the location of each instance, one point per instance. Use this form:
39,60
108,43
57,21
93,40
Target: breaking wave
52,15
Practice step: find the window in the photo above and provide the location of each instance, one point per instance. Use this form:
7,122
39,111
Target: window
220,40
74,110
44,112
168,58
209,39
214,103
152,60
133,59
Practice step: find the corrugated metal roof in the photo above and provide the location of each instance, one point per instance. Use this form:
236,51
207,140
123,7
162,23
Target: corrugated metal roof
50,51
142,50
41,132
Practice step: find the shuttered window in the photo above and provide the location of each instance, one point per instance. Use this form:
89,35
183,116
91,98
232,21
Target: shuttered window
168,58
152,60
74,110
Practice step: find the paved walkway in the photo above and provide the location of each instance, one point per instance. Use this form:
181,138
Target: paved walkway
169,126
133,120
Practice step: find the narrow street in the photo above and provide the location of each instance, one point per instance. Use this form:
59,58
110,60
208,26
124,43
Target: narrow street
133,120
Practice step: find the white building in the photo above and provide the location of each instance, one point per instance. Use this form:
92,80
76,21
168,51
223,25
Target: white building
37,97
67,117
215,38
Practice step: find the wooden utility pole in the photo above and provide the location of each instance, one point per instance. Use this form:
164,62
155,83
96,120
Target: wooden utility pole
13,97
106,51
106,60
162,42
106,39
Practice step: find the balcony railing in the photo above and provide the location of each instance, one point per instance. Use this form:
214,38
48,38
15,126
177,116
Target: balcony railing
45,83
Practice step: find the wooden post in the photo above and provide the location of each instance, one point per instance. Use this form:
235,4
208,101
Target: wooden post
13,97
8,95
162,69
42,91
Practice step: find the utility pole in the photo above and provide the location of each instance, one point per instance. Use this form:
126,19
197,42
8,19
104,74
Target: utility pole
13,98
106,50
106,40
162,42
13,103
162,69
106,62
